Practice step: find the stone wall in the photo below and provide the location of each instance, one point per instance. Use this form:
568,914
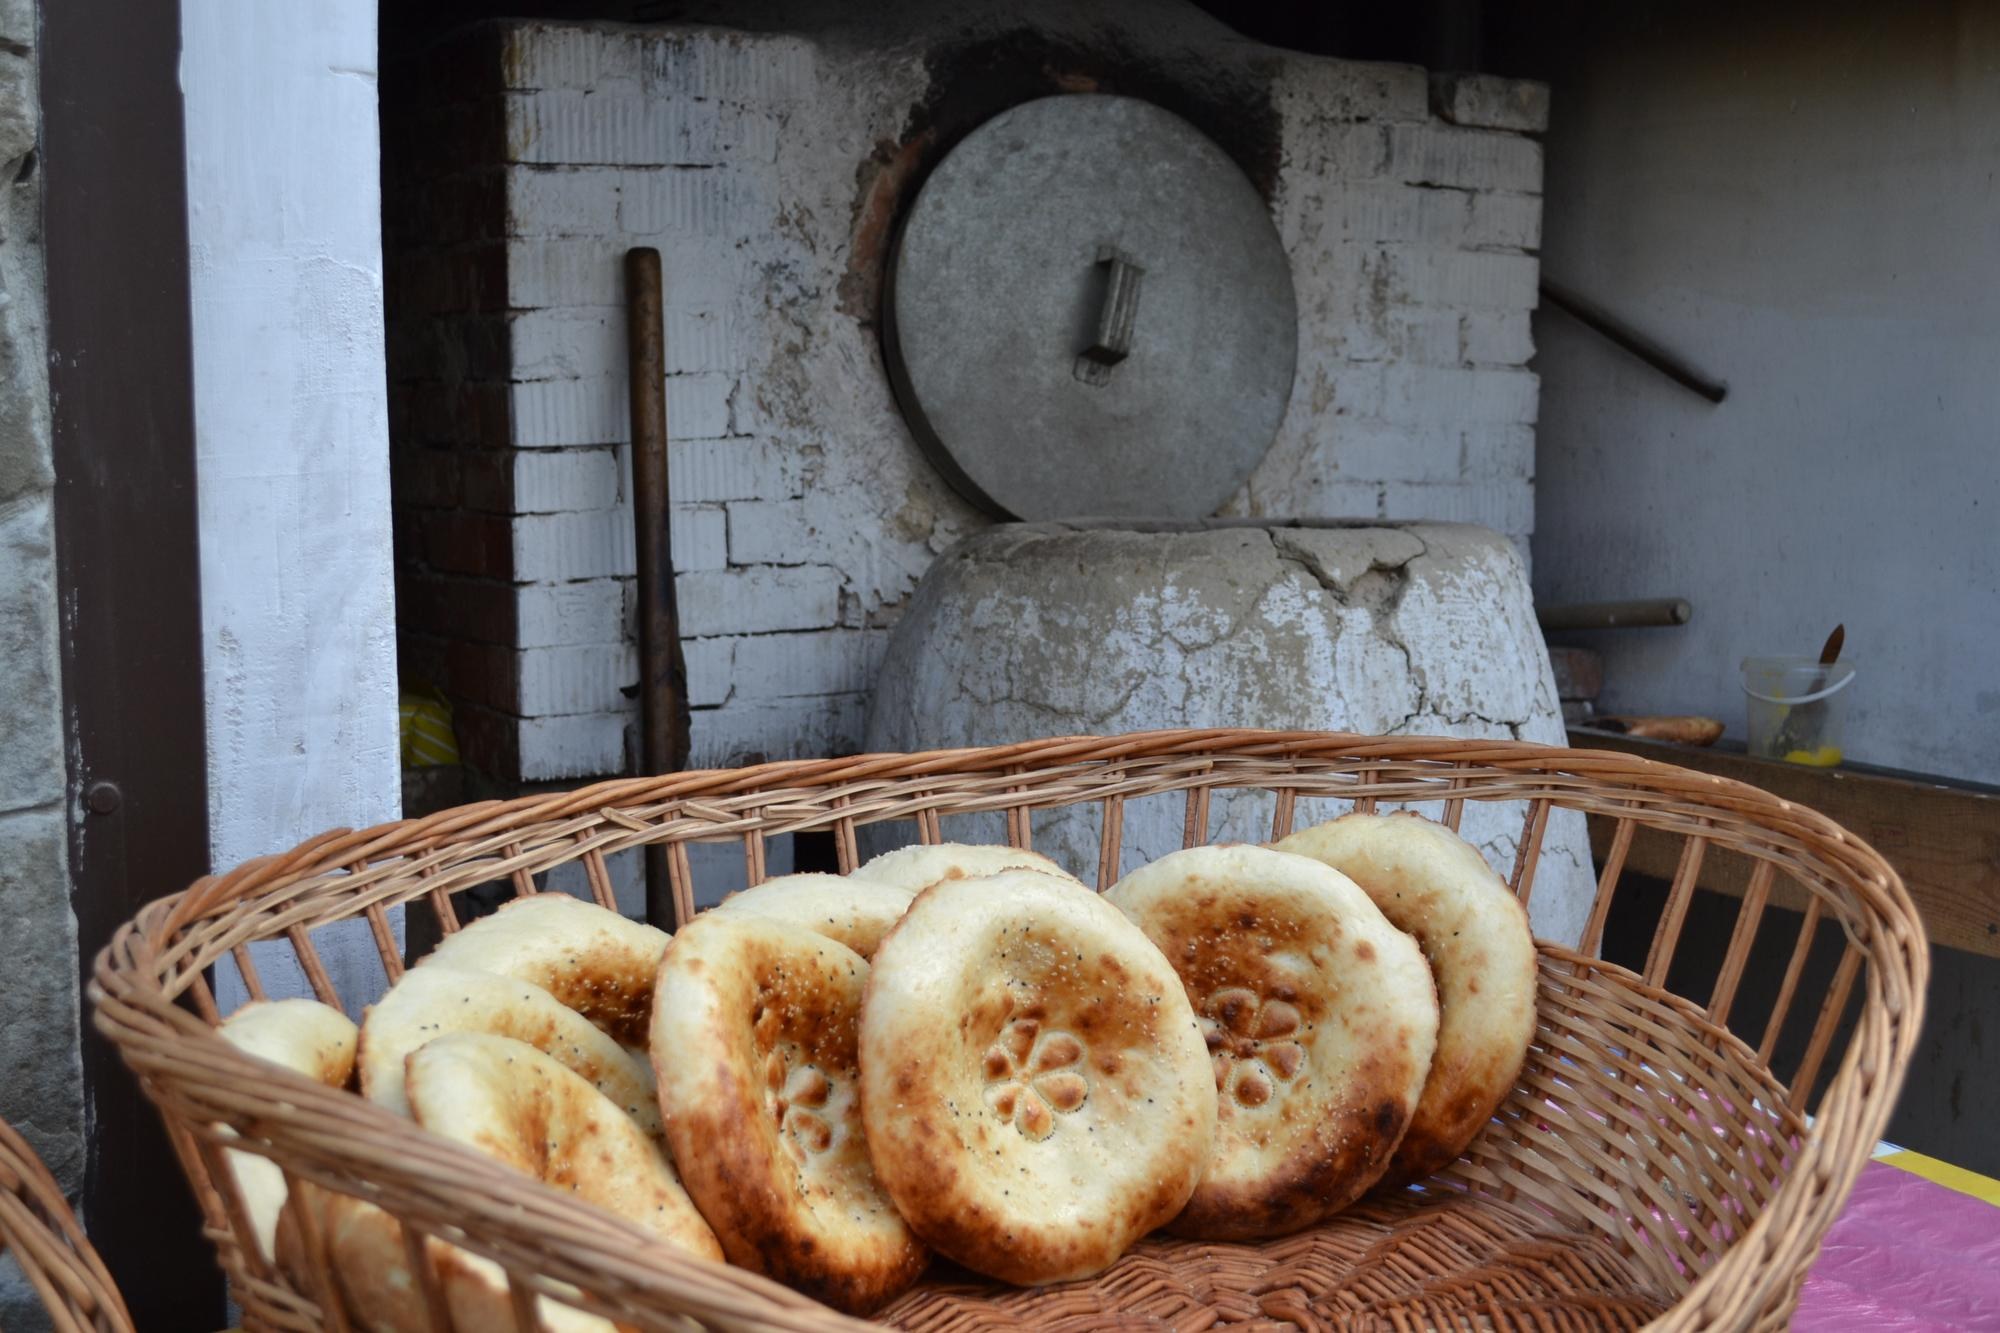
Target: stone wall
769,168
41,1078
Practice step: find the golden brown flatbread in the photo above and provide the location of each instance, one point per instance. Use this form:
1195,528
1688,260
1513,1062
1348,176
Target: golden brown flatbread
916,867
1434,885
857,912
1035,1088
592,960
1319,1018
515,1104
433,1001
754,1045
308,1038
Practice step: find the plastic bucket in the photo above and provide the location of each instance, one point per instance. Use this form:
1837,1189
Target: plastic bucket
1794,709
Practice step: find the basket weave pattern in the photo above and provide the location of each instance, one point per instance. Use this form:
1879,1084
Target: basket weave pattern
1651,1169
38,1229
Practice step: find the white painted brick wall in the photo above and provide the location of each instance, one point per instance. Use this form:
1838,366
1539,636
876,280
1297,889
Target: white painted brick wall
804,515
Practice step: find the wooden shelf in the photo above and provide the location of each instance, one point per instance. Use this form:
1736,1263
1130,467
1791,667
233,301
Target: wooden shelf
1942,837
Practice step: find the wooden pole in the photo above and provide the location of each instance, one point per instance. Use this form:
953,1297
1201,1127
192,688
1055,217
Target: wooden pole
663,712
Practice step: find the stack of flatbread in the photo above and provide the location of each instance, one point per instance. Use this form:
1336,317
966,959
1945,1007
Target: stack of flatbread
955,1049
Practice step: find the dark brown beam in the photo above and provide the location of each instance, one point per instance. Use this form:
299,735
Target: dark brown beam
121,384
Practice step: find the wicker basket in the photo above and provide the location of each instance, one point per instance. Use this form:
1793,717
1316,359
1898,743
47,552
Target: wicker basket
1652,1168
38,1229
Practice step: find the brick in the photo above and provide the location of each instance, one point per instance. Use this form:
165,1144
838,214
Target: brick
554,614
598,543
570,412
586,678
577,746
577,127
482,610
789,729
568,343
1367,452
734,469
770,532
458,542
425,477
1498,338
1422,395
565,271
1459,280
556,480
1409,213
757,601
1499,451
700,406
1340,499
1510,221
1425,337
689,200
1469,159
1505,506
1355,90
777,666
1489,101
761,70
710,663
701,340
562,201
577,271
575,56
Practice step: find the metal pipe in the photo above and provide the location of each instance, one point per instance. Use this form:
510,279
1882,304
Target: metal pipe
663,713
1615,615
1615,331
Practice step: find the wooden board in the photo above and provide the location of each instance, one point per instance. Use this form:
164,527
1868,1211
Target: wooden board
1943,838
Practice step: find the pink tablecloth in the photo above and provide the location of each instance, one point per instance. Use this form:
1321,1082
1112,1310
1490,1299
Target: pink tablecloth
1907,1254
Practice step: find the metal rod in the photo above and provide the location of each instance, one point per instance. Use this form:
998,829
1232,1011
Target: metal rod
1644,612
1615,331
663,713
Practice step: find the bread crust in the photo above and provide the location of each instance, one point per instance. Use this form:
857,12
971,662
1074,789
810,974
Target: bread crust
917,867
310,1039
754,1027
1320,1020
1034,1085
1436,887
857,912
591,959
434,1001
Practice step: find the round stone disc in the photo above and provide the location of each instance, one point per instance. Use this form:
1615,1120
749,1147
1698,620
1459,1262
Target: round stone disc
1090,313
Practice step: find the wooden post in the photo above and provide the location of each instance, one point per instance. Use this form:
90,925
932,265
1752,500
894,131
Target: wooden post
663,727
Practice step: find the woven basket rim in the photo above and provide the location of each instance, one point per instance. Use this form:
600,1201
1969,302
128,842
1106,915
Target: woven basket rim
163,1041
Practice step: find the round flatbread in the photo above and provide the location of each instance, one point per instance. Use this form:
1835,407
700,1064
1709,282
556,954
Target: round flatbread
857,912
1319,1017
308,1038
1034,1084
434,1001
1435,886
916,868
515,1104
754,1045
371,1265
591,959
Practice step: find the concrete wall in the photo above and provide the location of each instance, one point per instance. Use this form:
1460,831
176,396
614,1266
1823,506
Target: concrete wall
291,427
41,1078
768,169
1800,199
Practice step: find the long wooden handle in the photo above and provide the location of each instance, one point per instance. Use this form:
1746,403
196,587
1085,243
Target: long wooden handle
663,708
